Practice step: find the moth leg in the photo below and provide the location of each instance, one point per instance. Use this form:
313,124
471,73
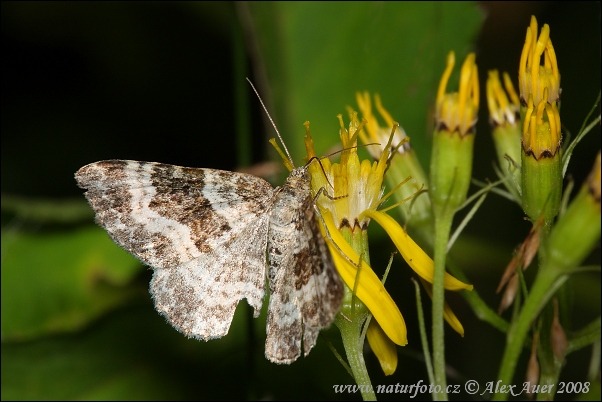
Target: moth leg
323,191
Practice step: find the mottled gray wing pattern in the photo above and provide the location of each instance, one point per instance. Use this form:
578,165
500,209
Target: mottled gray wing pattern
203,231
305,290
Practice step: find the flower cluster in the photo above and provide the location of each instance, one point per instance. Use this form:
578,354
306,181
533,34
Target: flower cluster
354,193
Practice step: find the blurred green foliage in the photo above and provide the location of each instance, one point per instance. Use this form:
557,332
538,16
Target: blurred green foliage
60,281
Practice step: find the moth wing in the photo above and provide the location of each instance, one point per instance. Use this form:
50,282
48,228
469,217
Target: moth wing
306,291
203,231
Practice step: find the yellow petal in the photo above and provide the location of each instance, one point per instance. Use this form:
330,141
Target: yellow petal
448,314
417,259
383,347
370,289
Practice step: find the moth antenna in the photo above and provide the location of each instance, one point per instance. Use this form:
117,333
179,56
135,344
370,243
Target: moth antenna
334,153
272,121
321,167
348,148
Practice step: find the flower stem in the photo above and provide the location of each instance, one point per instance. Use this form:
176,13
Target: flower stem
539,294
443,224
352,318
350,334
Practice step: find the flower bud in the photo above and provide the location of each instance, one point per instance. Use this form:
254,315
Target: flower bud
456,116
504,117
541,176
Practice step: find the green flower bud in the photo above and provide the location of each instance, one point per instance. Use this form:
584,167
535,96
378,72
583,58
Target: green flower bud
456,116
506,129
541,179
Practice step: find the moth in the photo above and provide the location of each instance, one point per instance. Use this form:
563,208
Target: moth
214,237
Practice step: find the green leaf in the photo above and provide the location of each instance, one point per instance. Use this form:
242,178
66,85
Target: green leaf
60,281
317,55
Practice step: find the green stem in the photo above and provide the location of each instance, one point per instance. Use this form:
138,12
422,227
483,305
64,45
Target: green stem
443,224
423,335
538,296
550,365
352,318
351,335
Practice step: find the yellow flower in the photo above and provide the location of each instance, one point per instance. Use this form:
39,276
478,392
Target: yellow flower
541,129
352,188
504,116
502,110
355,191
376,133
404,166
457,111
532,76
